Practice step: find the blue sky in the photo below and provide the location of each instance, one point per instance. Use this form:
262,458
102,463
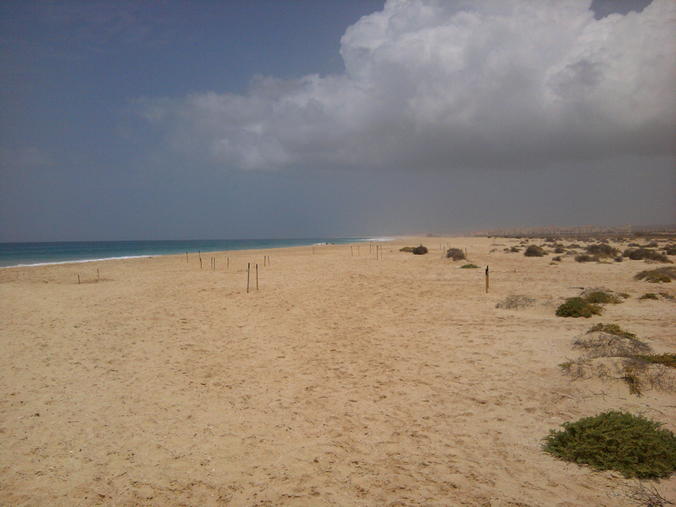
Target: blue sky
176,119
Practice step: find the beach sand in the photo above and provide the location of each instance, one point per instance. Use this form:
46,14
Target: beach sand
345,380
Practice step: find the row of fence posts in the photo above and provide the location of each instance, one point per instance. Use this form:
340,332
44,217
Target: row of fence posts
266,262
373,249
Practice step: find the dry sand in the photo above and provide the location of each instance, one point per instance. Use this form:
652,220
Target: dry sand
345,380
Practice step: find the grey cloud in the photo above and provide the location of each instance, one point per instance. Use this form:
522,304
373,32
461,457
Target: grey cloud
435,85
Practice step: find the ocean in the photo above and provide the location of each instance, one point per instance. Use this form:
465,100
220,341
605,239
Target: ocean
27,254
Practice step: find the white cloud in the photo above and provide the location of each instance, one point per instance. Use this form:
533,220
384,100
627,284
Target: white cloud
438,84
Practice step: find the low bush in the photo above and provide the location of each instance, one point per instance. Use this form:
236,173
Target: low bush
557,258
602,250
408,249
668,360
611,329
608,340
619,258
649,295
515,249
559,250
637,254
601,297
578,307
419,250
469,266
515,302
585,258
659,275
632,445
534,251
455,253
670,250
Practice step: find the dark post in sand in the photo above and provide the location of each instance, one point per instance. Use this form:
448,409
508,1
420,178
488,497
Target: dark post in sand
486,279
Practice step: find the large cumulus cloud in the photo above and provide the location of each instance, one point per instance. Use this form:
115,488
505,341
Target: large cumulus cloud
433,84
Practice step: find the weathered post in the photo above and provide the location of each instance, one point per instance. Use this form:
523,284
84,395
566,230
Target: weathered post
486,279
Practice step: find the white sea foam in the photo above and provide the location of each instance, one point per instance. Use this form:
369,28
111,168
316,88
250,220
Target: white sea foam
77,261
383,238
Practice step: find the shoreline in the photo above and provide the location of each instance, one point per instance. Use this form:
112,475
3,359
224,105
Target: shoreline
348,241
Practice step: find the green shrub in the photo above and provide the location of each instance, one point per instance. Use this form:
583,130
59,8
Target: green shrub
659,275
469,266
600,297
601,250
649,295
632,445
637,254
578,307
455,253
419,250
408,249
611,329
670,250
515,249
534,251
559,250
585,258
665,359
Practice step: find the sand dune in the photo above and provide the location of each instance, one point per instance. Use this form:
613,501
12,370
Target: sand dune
345,380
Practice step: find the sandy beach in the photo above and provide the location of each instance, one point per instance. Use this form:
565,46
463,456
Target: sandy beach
344,380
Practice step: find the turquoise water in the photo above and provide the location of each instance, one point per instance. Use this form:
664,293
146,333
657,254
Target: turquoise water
21,254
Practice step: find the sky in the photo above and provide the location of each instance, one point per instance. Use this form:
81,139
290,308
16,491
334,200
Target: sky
169,119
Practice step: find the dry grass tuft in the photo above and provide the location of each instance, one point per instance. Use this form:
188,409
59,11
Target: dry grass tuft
515,302
659,275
